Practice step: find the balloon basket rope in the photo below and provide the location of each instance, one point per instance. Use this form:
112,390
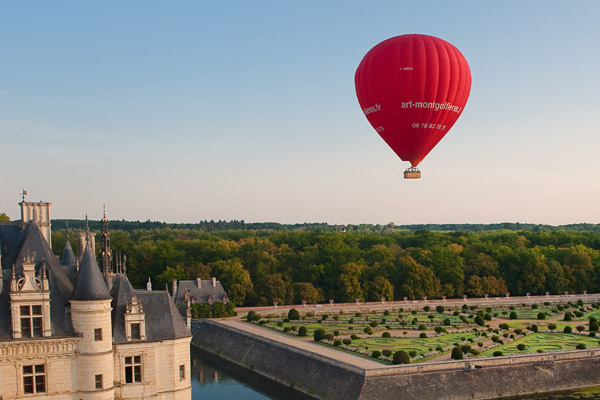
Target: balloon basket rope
412,173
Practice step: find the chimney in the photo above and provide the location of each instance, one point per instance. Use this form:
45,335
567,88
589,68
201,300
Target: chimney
199,283
174,288
214,282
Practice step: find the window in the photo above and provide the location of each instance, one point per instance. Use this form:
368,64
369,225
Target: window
98,335
133,369
98,381
34,378
31,321
182,371
135,331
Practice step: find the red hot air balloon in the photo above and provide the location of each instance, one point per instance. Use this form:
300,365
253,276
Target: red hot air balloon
412,89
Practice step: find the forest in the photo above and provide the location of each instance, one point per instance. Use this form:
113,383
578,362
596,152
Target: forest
291,264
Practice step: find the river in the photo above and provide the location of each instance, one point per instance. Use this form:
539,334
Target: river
215,378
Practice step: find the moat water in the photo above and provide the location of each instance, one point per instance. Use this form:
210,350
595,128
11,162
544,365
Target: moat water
215,378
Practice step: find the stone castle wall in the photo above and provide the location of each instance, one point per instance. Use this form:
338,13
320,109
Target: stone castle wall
322,377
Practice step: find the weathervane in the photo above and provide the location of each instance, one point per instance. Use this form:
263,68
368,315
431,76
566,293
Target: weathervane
23,194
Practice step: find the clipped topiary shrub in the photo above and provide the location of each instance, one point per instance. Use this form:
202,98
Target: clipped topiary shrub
594,326
580,346
479,321
440,309
376,354
252,316
497,354
412,353
293,315
521,347
347,341
513,315
568,329
319,335
302,331
401,357
422,335
337,343
368,330
541,315
457,353
386,335
386,352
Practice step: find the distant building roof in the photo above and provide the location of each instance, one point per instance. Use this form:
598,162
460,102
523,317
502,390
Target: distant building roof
163,320
200,291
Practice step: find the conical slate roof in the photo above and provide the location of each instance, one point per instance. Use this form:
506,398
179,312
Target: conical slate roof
90,283
68,256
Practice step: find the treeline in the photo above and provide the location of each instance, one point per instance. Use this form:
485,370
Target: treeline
258,267
212,226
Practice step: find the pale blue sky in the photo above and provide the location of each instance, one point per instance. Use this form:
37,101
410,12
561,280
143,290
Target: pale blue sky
180,111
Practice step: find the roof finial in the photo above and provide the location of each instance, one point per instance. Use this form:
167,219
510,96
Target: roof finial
67,234
23,194
105,211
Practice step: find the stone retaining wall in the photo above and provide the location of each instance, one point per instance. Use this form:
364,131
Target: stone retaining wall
325,378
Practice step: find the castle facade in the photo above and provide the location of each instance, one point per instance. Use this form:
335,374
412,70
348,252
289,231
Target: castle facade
72,329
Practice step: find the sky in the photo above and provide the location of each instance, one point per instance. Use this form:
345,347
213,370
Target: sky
192,110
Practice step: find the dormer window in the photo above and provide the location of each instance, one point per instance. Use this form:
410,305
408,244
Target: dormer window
135,332
31,321
135,321
30,301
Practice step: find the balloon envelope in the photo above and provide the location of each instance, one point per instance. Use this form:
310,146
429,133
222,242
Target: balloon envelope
412,89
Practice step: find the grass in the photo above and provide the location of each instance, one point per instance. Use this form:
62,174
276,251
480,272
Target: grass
351,323
545,342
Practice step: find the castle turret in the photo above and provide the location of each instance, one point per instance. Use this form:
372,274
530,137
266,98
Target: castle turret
91,317
68,257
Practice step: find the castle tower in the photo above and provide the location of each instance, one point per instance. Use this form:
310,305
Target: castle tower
68,257
105,252
40,214
91,317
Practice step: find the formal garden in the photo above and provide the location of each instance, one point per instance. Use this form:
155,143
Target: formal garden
436,333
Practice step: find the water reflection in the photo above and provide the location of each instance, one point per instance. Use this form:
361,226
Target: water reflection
215,378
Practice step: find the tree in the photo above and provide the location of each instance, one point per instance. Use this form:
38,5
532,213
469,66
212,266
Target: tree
418,281
349,287
302,331
234,278
4,217
167,276
274,288
380,287
306,291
